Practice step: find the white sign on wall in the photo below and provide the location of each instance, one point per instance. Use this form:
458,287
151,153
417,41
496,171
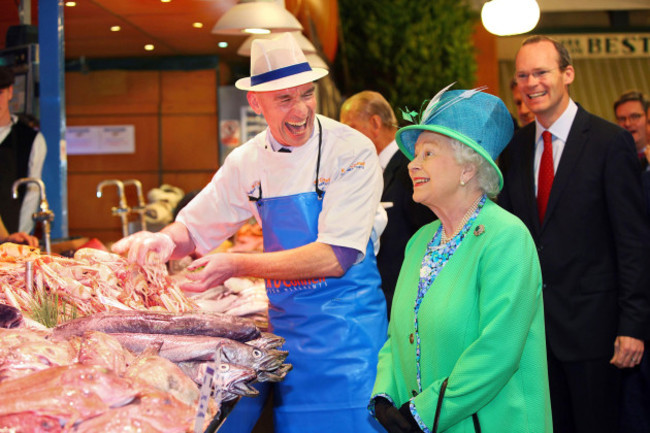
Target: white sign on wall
587,46
96,140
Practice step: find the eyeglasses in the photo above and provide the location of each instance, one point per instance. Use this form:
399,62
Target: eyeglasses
634,117
540,74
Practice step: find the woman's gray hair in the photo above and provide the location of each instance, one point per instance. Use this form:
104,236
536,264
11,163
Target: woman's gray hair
486,175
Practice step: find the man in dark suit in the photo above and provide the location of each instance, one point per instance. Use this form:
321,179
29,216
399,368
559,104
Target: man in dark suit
370,113
630,110
574,181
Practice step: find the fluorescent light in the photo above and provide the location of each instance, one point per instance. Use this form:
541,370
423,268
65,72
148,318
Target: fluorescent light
71,4
149,47
116,28
197,25
223,44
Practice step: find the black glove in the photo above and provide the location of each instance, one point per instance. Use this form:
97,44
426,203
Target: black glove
408,416
392,419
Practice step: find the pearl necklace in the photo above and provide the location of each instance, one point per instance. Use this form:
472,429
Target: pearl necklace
444,238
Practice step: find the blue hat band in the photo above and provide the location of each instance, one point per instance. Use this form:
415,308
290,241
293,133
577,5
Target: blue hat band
280,73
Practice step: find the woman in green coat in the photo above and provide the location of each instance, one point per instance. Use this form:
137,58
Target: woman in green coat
466,345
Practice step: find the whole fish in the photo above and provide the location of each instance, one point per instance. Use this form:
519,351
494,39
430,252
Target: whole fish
10,317
156,322
180,348
236,379
152,411
71,393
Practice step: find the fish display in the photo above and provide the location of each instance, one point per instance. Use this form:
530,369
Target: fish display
158,322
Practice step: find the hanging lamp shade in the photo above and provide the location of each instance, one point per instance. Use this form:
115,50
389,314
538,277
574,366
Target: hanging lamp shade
305,44
257,17
510,17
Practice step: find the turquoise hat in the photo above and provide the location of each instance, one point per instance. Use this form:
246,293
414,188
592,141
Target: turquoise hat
476,119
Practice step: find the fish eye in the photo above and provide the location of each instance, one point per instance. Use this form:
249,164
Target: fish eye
257,353
224,367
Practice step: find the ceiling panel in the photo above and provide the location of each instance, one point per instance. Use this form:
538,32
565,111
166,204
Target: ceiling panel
169,25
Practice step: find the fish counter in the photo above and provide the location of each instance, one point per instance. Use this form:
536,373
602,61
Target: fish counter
159,365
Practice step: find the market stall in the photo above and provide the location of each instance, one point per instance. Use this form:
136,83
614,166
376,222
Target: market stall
92,342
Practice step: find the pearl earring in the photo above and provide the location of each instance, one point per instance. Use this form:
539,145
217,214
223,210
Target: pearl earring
462,183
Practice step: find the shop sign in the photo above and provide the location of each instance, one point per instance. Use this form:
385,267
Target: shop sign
587,46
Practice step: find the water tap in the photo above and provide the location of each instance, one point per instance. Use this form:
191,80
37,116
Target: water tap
44,214
122,210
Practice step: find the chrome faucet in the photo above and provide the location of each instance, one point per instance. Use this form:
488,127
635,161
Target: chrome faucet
122,210
44,213
140,208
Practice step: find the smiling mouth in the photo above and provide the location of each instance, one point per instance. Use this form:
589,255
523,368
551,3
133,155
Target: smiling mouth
536,95
419,182
297,128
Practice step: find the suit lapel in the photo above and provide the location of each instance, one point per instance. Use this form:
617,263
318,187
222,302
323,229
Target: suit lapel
573,149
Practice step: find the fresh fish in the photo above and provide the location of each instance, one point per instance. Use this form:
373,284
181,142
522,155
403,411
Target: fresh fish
180,348
150,322
153,411
98,348
276,375
29,422
267,341
165,376
236,379
10,317
72,392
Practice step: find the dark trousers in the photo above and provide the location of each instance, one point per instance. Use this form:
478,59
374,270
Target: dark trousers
584,395
635,398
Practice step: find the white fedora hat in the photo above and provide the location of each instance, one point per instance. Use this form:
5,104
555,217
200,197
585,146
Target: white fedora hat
277,64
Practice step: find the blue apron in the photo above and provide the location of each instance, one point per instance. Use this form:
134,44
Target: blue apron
334,329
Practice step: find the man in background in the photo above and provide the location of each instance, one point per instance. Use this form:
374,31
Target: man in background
370,113
524,115
574,181
630,110
22,153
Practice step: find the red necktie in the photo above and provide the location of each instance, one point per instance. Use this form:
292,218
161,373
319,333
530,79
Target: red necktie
546,173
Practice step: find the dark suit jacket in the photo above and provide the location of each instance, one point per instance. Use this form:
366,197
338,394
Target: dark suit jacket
405,217
593,243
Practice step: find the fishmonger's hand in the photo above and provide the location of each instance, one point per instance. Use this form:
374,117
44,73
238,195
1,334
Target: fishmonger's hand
146,248
209,271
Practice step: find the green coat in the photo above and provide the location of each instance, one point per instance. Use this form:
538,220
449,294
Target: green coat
481,324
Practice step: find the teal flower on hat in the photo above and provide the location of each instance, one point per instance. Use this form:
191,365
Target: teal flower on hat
478,120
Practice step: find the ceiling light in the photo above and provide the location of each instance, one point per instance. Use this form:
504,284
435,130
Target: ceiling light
197,25
510,17
251,16
223,44
116,28
165,1
305,44
71,4
149,47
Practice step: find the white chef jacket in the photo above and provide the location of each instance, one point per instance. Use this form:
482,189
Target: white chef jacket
349,174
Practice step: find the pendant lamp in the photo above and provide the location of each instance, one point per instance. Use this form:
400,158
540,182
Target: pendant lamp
510,17
256,17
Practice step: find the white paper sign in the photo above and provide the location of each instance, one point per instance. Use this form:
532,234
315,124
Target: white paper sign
94,140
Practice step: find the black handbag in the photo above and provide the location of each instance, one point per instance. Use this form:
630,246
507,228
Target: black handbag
443,388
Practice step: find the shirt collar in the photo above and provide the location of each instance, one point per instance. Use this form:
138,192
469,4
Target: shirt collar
387,153
562,126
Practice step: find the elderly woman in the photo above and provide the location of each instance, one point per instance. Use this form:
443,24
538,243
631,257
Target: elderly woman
466,345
